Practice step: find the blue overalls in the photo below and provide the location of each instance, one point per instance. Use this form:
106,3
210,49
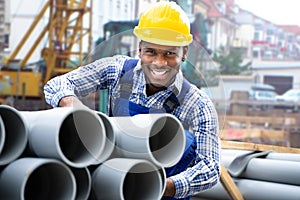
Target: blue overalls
124,107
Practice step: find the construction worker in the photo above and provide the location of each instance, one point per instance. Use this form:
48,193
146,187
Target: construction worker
154,83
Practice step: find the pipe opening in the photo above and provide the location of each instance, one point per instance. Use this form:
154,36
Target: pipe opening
50,181
167,140
15,135
141,182
81,137
83,182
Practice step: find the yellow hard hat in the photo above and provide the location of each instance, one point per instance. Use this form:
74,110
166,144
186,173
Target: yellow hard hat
165,23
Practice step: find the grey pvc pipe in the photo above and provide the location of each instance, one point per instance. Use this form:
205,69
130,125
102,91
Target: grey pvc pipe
279,171
254,189
110,138
287,172
284,156
272,155
83,182
14,134
159,138
126,178
73,135
215,193
37,178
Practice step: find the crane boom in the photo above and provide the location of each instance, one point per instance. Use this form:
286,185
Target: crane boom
67,35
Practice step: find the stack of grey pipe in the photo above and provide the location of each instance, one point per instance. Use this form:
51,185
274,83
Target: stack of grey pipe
78,153
259,175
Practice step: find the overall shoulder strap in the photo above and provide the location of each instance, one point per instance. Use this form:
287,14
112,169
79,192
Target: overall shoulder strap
129,65
184,90
173,102
126,79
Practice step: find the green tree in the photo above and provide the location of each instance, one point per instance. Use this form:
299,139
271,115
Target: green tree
231,62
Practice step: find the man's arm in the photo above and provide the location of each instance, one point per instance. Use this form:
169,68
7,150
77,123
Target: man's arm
205,171
69,101
170,188
83,81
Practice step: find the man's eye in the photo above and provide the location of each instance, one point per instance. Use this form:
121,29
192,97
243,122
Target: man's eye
168,53
149,51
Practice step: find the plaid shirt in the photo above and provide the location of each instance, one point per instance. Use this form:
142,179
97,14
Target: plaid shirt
197,112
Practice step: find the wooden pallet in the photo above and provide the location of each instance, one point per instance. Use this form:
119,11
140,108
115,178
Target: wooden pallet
264,130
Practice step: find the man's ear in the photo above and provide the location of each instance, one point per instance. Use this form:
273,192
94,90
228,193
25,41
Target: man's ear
185,53
140,49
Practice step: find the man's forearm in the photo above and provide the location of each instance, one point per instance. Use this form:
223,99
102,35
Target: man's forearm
69,101
170,188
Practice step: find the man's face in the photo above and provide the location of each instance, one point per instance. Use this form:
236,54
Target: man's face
161,63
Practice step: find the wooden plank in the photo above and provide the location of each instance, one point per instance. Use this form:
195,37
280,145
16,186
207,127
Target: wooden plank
229,185
257,147
250,121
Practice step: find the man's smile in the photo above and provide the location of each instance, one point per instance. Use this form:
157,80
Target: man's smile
159,72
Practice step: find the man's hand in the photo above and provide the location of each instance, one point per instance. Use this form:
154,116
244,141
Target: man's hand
70,101
170,188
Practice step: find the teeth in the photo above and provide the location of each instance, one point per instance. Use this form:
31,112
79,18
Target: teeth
159,72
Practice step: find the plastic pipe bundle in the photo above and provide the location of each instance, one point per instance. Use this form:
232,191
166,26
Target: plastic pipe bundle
77,153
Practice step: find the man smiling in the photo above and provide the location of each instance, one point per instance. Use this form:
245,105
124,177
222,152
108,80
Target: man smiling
154,83
160,64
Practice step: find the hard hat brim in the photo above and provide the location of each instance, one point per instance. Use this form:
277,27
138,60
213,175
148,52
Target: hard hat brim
162,36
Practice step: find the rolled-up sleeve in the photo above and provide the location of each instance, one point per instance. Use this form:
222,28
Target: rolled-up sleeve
204,173
84,80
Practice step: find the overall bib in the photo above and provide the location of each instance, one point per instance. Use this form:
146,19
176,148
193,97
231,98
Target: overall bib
124,107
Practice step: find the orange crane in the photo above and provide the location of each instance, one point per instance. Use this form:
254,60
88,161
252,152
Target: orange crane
65,33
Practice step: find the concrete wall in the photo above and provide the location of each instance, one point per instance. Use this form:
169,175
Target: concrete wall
228,84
